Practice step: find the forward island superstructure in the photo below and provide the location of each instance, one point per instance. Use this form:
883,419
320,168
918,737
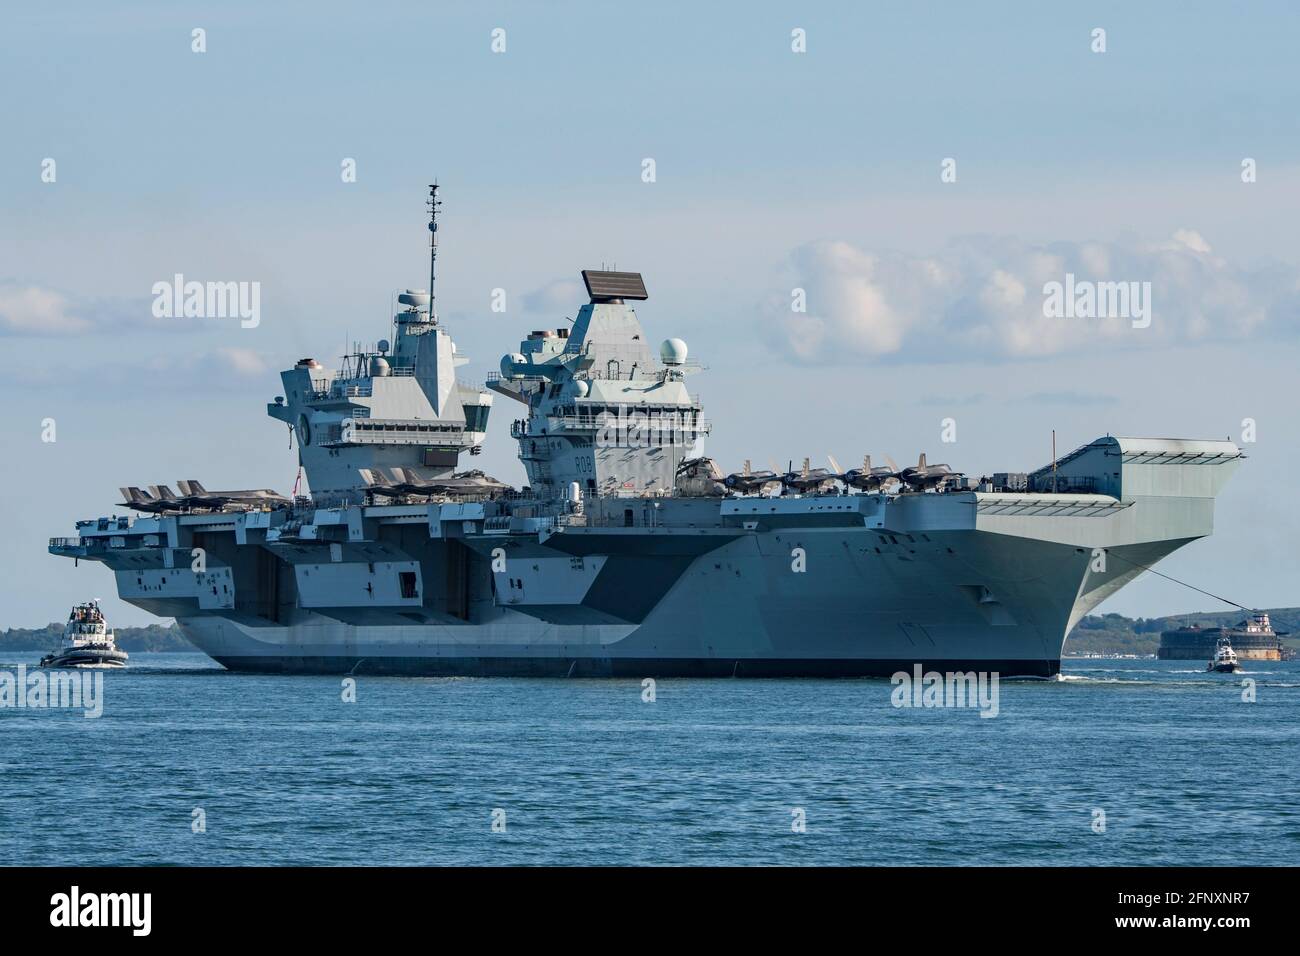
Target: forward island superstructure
628,552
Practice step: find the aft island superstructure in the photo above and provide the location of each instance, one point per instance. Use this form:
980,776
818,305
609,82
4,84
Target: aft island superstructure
628,552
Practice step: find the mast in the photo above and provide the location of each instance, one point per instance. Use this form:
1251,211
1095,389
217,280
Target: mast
434,203
1053,461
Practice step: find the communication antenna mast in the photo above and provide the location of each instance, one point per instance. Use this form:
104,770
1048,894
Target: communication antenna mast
434,203
1053,461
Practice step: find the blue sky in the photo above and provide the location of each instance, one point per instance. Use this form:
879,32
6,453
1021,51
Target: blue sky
774,170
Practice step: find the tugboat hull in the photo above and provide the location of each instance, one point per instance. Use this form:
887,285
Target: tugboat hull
85,659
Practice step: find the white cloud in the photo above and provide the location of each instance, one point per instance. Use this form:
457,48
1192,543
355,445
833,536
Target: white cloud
982,296
559,295
170,370
242,361
29,310
1192,240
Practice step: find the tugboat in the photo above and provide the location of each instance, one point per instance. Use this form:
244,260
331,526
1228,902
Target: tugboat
1225,658
87,641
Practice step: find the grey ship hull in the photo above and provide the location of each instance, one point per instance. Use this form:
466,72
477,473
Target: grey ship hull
689,587
732,612
871,615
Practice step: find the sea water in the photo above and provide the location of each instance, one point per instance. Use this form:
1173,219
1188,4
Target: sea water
1120,762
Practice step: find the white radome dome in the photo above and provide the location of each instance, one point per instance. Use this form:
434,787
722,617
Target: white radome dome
508,363
581,388
416,298
673,352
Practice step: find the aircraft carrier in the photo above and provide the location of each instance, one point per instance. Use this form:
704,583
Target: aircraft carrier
628,552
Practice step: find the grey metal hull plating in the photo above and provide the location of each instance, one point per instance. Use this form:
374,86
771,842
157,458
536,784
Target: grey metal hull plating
956,601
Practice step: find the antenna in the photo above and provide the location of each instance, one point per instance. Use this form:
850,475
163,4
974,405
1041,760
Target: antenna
1053,461
434,203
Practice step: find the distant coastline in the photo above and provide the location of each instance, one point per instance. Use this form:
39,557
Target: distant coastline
1115,634
155,637
1104,634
